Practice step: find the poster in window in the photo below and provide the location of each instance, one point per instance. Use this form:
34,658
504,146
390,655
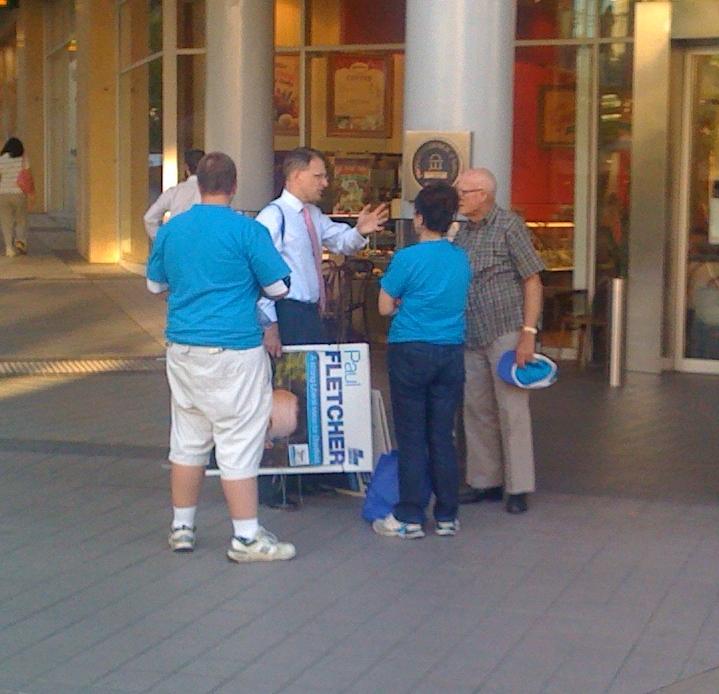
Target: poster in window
557,111
286,94
359,95
352,181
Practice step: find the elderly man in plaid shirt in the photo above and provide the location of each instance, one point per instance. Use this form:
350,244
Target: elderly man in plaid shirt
505,301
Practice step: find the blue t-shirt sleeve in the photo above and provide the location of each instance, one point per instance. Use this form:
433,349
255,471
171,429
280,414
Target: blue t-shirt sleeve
266,262
156,264
394,281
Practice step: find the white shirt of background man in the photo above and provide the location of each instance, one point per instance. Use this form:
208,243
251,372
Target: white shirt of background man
175,200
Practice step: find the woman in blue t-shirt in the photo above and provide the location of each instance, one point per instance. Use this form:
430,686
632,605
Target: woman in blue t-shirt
425,290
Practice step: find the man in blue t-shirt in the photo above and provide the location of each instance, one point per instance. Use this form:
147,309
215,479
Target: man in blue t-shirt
215,262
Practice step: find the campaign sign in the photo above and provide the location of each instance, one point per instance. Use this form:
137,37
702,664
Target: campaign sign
321,413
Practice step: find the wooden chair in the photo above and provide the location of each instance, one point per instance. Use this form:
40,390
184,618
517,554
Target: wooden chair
356,276
579,314
346,292
333,299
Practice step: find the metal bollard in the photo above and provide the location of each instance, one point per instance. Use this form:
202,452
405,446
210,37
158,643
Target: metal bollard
616,332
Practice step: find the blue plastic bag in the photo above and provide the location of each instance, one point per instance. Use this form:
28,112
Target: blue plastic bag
383,489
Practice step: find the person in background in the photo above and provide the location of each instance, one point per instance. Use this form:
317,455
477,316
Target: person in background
425,290
13,202
177,199
214,262
505,302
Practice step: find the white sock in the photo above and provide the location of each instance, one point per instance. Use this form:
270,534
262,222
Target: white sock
183,516
246,529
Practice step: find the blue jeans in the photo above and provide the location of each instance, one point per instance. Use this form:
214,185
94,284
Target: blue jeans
426,383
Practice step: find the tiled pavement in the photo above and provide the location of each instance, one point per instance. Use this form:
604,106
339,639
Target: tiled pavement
609,584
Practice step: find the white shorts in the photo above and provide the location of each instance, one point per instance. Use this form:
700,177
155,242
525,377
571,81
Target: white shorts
220,396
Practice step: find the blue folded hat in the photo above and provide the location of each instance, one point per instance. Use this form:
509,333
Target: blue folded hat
539,373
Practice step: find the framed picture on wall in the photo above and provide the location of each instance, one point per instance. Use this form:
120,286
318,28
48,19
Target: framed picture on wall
557,113
286,96
359,95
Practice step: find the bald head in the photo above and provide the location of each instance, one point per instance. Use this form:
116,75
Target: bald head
477,190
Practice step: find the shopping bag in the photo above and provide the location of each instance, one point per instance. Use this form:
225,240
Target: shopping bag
383,489
25,182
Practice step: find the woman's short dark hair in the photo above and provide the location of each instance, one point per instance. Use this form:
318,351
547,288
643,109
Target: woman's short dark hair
300,158
216,173
437,203
193,158
13,147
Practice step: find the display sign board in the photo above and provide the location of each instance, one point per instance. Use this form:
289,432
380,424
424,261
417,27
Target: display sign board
321,419
431,156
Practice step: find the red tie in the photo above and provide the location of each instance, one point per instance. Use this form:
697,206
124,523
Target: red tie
316,253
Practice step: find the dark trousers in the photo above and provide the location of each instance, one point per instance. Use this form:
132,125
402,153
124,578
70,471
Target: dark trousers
426,382
299,322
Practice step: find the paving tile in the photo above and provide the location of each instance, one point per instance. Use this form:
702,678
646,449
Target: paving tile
609,580
186,684
127,679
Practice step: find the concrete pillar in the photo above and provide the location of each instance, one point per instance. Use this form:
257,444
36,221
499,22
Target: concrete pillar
649,194
459,58
96,28
30,90
240,46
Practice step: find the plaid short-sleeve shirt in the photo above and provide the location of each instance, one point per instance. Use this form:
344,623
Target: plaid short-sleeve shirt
501,253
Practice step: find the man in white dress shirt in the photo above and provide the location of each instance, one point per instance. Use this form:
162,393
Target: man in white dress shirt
300,230
177,199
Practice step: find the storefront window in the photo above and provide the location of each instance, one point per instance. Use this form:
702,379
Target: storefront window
190,106
545,137
702,260
140,153
554,19
336,22
191,23
140,30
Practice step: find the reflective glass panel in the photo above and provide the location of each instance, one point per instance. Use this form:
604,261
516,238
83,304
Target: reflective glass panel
140,125
554,19
190,106
287,23
334,22
140,30
59,22
702,313
616,18
614,160
191,23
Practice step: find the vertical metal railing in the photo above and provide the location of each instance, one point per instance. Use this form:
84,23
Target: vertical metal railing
616,331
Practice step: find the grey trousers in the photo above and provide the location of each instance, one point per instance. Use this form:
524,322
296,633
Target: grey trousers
497,423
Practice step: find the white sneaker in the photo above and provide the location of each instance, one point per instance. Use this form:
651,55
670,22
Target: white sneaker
182,539
447,528
391,527
265,547
10,252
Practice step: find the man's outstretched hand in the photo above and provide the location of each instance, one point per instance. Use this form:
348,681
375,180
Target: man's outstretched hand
372,220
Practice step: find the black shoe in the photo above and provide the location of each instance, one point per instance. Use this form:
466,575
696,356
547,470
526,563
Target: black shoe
517,503
493,494
472,495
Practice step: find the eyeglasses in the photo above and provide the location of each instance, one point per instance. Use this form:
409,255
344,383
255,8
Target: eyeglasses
471,190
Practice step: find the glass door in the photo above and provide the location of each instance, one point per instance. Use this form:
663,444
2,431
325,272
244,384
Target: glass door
698,298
